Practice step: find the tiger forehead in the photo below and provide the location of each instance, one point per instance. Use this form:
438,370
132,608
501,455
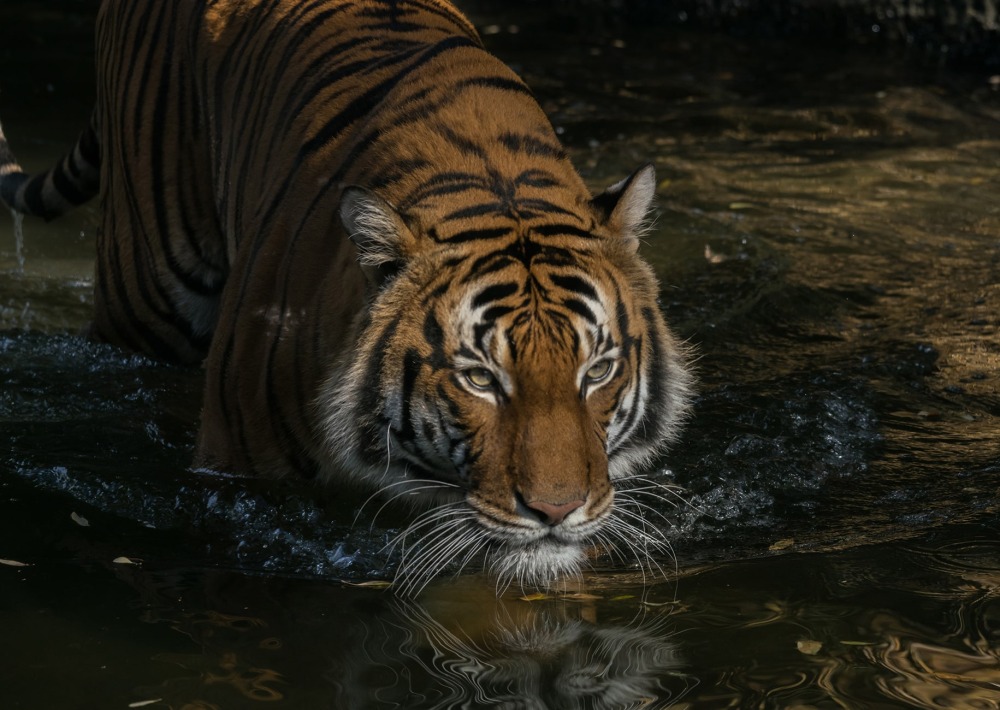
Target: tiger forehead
521,313
537,288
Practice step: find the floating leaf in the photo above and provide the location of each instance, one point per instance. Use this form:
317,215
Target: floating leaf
124,561
782,544
144,703
713,257
371,584
580,597
536,597
79,520
14,563
809,647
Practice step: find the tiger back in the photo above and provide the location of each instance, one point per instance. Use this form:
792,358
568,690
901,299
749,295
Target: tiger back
365,227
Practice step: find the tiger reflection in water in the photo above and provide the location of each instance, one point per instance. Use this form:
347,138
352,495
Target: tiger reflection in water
303,644
530,655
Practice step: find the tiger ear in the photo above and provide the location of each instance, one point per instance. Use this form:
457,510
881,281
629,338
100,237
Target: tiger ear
378,231
624,206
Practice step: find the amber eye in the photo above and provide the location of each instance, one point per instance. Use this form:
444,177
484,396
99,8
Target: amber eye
599,370
480,378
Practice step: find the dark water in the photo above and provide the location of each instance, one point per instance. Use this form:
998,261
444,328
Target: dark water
829,239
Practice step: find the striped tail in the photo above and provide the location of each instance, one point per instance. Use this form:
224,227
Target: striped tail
71,182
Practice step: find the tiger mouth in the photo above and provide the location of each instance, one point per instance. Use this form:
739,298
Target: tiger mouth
516,529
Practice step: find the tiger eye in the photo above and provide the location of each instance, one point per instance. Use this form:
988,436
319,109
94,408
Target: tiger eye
599,370
480,378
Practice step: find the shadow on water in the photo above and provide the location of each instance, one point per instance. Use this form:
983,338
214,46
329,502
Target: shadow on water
829,239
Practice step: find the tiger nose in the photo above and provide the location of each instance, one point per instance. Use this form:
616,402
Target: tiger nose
553,513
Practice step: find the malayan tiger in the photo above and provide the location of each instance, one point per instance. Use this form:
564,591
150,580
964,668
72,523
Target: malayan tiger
365,228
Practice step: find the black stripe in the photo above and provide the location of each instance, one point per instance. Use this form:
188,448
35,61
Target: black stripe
90,147
140,326
291,447
68,188
657,368
624,323
576,285
363,103
530,145
559,230
543,206
33,197
474,235
479,332
69,166
442,183
468,145
512,346
369,405
651,430
481,210
120,298
581,309
402,168
495,82
495,292
412,364
536,178
434,335
487,264
491,314
330,78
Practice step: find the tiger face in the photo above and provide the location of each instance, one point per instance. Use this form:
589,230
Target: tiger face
511,389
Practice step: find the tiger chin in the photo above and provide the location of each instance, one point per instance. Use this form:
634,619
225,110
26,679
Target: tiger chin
387,267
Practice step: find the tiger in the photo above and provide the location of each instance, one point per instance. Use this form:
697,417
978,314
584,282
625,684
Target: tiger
363,227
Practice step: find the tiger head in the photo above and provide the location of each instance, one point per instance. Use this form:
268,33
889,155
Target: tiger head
511,373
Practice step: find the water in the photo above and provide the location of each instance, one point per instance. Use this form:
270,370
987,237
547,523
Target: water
829,240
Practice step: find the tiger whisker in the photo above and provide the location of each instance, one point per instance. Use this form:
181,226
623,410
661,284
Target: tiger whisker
445,528
445,521
429,484
675,493
645,561
626,501
630,531
417,573
656,537
431,517
442,547
608,545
